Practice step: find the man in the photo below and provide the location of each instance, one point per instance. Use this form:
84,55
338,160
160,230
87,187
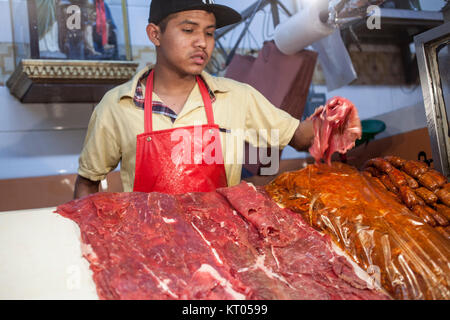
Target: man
135,123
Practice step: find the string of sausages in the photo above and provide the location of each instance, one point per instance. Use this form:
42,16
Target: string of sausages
425,191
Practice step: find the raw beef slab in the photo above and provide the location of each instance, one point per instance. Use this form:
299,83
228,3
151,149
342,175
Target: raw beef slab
235,243
139,247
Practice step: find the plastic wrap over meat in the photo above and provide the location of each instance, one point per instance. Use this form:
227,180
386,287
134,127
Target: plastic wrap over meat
336,128
380,233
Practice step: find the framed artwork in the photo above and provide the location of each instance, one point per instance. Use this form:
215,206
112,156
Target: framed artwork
69,50
71,29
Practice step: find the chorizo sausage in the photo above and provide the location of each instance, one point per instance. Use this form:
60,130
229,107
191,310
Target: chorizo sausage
409,197
439,218
415,168
444,196
388,183
412,183
444,210
367,174
397,178
377,182
432,180
422,213
373,171
395,161
380,164
427,196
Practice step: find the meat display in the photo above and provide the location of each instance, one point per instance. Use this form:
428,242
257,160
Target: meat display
372,223
429,197
336,128
444,195
235,243
422,189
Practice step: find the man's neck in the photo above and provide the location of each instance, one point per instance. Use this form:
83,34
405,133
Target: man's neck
168,82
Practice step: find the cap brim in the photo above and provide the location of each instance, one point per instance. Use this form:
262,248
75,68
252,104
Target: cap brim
224,15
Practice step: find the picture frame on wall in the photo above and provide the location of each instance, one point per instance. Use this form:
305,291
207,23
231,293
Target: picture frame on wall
71,29
69,50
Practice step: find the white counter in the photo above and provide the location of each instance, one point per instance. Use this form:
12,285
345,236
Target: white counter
40,257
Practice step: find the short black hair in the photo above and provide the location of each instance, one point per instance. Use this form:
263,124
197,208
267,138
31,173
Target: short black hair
163,24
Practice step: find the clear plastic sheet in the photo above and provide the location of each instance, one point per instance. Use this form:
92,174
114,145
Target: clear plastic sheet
335,61
410,259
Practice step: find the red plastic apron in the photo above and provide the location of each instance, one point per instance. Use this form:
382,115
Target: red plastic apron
179,160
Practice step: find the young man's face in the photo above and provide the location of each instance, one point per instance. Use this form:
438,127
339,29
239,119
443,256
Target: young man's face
187,42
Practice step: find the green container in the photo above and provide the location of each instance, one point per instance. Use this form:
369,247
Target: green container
370,128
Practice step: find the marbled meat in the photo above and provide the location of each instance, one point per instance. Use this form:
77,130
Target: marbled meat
235,243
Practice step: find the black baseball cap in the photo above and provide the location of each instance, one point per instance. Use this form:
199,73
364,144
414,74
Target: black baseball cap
159,9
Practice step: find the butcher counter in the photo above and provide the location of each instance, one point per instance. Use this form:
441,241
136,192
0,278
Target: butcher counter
40,257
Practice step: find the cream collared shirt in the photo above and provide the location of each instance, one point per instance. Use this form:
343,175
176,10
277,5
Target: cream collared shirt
240,111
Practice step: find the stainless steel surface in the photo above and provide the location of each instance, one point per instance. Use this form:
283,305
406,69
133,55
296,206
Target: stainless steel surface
403,16
275,12
428,46
398,26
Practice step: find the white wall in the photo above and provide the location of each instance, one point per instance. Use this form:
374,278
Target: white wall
138,11
40,139
5,31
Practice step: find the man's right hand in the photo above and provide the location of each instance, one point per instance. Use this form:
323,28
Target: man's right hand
85,187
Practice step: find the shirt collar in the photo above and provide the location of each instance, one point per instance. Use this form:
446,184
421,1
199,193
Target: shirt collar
214,83
129,88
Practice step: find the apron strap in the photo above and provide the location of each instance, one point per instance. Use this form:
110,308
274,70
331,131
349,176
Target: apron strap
148,103
206,100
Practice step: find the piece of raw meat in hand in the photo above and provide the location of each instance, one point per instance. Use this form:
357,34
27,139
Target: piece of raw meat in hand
336,128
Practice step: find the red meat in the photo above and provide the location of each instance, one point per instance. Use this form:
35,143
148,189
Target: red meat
336,128
235,243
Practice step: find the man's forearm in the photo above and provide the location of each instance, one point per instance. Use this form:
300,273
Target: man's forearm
303,136
85,187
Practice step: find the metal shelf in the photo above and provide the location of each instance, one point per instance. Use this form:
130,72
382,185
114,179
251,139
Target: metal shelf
411,17
397,26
